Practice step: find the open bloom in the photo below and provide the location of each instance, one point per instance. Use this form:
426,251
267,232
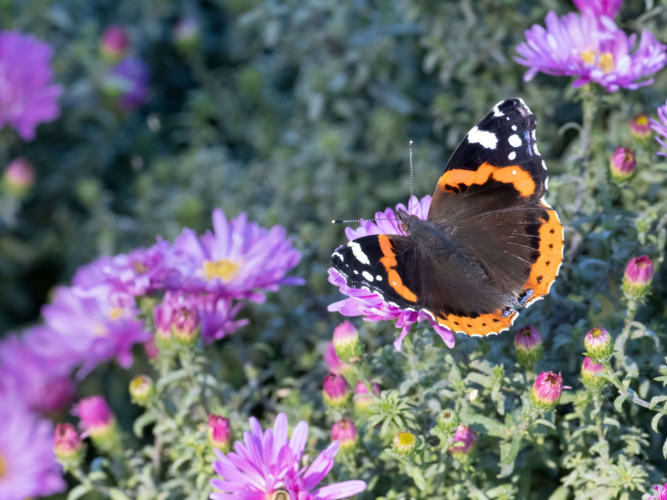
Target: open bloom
660,128
267,462
592,49
27,96
239,259
661,492
607,8
370,305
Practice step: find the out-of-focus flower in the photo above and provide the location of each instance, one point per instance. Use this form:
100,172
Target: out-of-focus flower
528,347
19,177
28,97
334,364
589,377
142,389
67,443
114,43
622,164
151,350
546,390
607,8
591,48
237,260
186,35
638,276
640,127
219,432
40,381
598,343
346,341
127,83
660,128
217,317
363,399
464,442
336,391
447,420
345,432
370,305
84,327
404,443
661,492
269,461
98,422
28,466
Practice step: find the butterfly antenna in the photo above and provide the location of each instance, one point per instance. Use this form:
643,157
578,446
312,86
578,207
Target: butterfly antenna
348,221
411,168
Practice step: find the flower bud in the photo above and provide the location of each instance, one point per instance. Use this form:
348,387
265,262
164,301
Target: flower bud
98,422
599,344
67,443
622,164
464,442
347,343
638,276
547,390
447,420
528,347
142,389
185,327
19,177
219,432
126,83
640,127
345,432
363,399
589,377
336,391
186,35
404,443
114,43
151,350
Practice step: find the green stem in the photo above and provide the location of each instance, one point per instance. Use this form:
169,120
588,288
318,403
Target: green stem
598,416
589,107
628,393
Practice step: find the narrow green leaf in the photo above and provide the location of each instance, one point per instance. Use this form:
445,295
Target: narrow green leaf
656,420
618,403
78,491
116,494
511,453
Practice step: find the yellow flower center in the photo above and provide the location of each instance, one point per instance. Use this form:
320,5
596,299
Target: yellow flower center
116,313
642,120
3,468
139,267
596,332
406,439
605,60
224,269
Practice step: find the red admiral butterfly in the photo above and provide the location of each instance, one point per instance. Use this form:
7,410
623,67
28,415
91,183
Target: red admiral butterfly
491,244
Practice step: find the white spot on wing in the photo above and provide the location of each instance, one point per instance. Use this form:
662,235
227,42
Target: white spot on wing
367,276
496,110
514,127
511,156
378,277
358,252
514,140
483,137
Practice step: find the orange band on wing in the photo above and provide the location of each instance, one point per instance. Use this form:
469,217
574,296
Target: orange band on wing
545,269
483,325
389,262
520,180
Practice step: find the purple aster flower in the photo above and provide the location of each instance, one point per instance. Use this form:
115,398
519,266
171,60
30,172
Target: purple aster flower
591,48
268,461
28,466
370,305
235,260
84,327
27,97
607,8
38,381
661,492
127,81
217,317
660,128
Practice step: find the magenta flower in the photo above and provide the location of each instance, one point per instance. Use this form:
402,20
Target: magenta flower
219,432
464,441
127,83
28,466
239,259
370,305
114,43
528,346
336,391
269,461
362,398
345,432
217,317
660,128
640,127
622,164
547,390
592,49
19,176
95,414
661,492
346,341
589,374
67,443
84,327
27,96
607,8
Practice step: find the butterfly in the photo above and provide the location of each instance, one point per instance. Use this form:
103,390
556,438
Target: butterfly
491,244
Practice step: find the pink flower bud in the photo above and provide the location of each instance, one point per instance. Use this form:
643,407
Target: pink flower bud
464,442
98,422
598,343
151,349
640,127
336,391
347,343
219,432
362,398
142,389
638,276
528,347
345,432
114,43
67,443
622,164
547,390
589,377
19,177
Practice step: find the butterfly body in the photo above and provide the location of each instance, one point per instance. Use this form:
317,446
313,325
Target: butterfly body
490,245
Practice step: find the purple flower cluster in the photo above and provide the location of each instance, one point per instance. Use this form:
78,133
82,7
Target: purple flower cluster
660,128
27,96
370,305
590,47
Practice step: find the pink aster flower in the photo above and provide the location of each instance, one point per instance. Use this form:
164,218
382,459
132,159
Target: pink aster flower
239,259
268,461
546,390
660,128
28,466
27,96
592,49
661,492
370,305
607,8
114,43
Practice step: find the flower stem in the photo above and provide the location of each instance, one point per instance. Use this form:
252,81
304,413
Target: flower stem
628,393
589,107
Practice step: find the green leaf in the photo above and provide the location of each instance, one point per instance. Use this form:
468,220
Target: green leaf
116,494
664,449
618,403
508,456
491,427
78,492
656,420
141,422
